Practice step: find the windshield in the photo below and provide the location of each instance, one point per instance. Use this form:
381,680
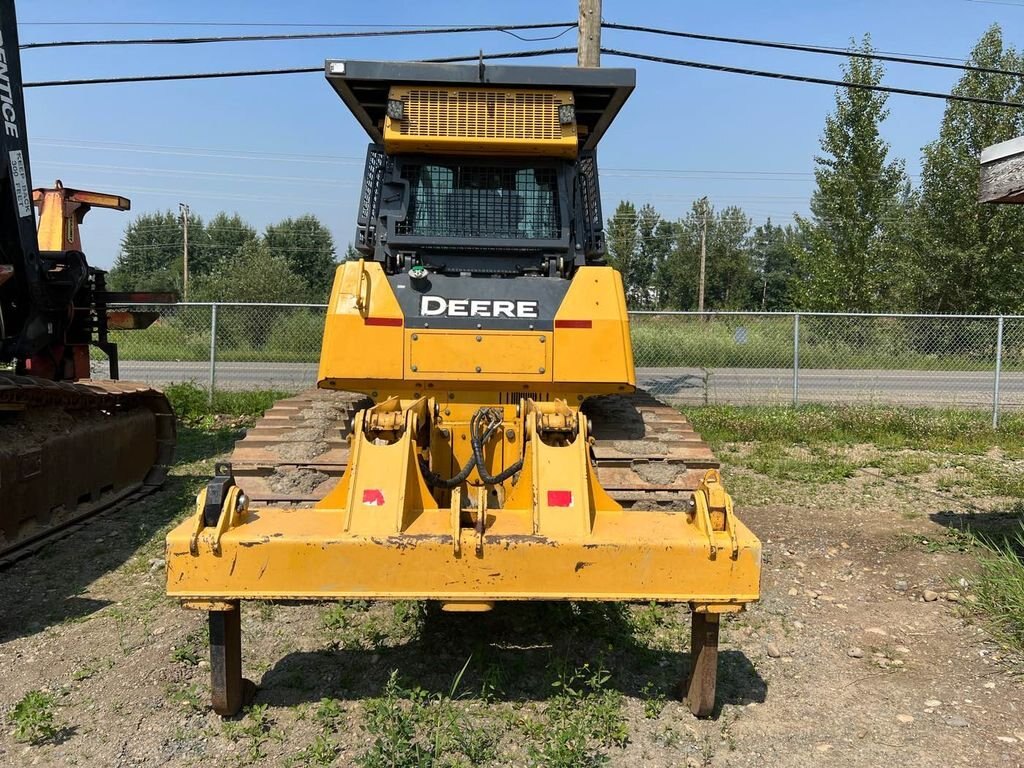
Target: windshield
479,201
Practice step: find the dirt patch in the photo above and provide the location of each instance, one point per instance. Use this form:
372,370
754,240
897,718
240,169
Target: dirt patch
660,472
299,481
299,451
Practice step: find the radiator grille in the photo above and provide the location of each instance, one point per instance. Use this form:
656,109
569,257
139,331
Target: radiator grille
481,114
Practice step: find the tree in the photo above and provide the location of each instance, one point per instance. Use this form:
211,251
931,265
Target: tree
253,274
729,271
219,241
972,253
623,245
307,247
652,249
852,249
772,257
351,254
150,258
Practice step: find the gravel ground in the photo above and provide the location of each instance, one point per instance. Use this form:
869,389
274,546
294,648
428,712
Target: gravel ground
862,652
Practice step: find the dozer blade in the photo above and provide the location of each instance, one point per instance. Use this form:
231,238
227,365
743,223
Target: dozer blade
634,510
647,458
69,451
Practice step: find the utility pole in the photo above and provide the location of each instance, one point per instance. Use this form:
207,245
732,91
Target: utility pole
588,46
703,252
183,207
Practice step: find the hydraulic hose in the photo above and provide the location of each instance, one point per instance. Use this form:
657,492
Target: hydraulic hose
478,441
435,480
479,435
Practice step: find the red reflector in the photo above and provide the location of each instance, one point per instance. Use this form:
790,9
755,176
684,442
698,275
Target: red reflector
573,324
373,497
559,498
395,322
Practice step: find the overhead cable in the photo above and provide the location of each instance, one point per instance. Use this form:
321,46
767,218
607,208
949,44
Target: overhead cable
825,50
809,79
507,28
263,72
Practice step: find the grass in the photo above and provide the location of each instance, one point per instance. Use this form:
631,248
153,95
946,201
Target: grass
193,406
361,624
252,731
818,464
33,719
416,728
944,429
583,718
747,341
191,650
999,588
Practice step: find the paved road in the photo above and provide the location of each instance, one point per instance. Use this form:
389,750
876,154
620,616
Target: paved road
683,385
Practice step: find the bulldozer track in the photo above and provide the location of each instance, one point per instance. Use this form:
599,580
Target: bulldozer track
646,453
71,451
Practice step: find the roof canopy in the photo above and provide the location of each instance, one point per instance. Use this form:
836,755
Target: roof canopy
363,86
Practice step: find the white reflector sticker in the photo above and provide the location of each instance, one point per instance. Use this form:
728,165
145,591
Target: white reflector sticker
21,192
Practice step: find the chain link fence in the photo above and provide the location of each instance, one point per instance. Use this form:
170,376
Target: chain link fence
683,357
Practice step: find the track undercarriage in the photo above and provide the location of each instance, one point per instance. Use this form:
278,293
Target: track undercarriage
71,450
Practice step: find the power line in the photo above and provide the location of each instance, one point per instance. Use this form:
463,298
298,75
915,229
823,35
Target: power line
429,30
283,71
693,174
825,50
808,79
318,25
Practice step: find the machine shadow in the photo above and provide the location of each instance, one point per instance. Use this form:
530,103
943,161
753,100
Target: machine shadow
45,588
515,653
677,386
999,528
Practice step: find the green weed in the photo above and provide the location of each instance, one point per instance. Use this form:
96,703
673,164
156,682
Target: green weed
255,730
191,650
819,465
322,751
32,718
192,403
329,712
654,701
361,624
999,587
190,697
583,718
90,669
422,730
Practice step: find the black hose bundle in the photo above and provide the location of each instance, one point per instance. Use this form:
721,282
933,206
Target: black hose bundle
481,428
479,438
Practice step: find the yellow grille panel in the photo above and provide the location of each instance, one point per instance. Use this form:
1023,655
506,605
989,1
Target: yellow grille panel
480,121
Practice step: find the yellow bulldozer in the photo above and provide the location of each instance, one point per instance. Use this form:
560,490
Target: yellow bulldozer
478,433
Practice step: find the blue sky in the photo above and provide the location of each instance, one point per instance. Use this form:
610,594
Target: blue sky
272,147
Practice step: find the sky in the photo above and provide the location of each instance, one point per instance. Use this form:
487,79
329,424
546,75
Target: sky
273,147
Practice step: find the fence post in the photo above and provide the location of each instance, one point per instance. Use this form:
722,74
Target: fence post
796,359
213,350
999,366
